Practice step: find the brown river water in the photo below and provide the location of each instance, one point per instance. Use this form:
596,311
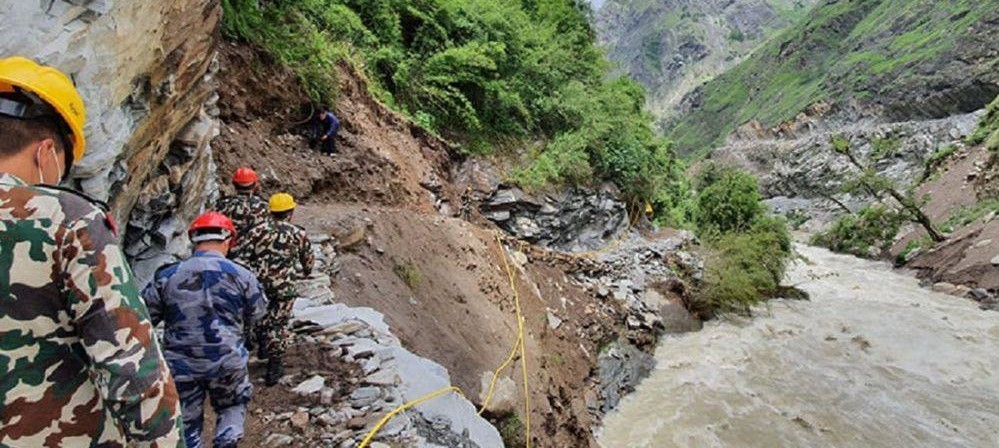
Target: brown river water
872,360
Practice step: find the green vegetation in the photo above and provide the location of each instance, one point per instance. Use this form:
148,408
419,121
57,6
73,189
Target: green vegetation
885,148
512,431
409,273
841,50
987,131
876,186
748,252
873,226
913,246
483,73
935,161
730,202
744,268
969,214
796,219
491,74
736,35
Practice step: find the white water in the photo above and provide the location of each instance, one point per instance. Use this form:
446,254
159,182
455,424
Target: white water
873,360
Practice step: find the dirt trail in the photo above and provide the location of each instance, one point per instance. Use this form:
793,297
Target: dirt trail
438,280
872,360
441,285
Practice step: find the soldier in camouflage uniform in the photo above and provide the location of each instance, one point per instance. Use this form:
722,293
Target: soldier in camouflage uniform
79,363
244,208
204,302
272,250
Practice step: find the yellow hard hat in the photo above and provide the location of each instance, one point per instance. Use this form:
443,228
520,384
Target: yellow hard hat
648,208
282,202
53,87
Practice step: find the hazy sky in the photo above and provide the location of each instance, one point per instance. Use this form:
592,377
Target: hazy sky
597,3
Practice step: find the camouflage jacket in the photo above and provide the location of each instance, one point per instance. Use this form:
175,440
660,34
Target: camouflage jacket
246,210
79,365
273,250
204,302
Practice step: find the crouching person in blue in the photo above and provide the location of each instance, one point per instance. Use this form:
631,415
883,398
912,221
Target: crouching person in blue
204,303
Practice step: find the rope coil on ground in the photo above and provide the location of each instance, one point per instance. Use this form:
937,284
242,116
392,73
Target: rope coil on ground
520,346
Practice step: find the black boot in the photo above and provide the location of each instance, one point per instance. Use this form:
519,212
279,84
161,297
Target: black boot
275,370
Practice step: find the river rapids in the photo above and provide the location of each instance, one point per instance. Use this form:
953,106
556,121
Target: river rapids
872,360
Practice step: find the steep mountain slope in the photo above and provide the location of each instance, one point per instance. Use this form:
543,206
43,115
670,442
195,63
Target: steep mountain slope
389,200
672,46
890,60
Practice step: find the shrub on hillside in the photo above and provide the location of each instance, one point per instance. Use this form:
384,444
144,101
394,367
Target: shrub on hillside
482,73
870,230
730,201
744,268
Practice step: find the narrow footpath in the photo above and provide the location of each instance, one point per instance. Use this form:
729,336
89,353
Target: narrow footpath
872,360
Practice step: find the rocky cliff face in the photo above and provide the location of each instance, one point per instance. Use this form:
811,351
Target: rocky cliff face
880,60
801,172
672,46
145,72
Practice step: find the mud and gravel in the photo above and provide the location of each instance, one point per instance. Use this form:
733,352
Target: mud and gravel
438,279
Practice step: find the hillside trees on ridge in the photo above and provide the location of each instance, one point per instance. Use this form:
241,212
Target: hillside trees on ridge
485,73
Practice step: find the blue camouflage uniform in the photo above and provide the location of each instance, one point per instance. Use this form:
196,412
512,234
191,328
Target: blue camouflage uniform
204,302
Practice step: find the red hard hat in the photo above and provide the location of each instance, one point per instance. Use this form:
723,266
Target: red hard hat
245,176
213,220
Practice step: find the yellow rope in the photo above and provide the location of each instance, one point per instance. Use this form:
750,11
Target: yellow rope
520,344
502,367
374,431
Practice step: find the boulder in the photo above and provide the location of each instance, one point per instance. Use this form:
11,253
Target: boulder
277,439
945,288
577,219
553,321
620,367
352,239
980,294
504,399
300,420
310,386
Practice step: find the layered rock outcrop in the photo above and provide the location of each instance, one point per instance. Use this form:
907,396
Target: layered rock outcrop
145,72
802,172
575,220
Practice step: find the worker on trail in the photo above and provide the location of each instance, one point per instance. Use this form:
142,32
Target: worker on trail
467,203
325,129
245,208
79,363
272,250
204,302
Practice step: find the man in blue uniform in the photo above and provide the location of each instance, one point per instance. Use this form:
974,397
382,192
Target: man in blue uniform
324,130
204,302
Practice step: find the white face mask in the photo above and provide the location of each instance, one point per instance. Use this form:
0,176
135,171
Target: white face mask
41,175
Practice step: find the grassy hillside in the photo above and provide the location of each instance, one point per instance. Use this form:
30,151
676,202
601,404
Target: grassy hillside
907,58
483,73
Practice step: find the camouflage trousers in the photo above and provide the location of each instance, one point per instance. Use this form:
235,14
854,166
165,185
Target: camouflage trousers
229,390
272,331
